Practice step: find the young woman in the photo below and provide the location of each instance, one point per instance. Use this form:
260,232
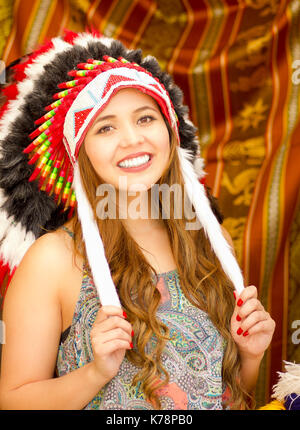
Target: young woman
118,309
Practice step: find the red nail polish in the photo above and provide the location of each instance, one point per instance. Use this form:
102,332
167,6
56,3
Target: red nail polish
131,345
124,314
132,333
240,302
238,318
240,331
234,293
246,333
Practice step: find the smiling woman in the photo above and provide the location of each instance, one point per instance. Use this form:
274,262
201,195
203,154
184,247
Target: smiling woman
119,136
123,313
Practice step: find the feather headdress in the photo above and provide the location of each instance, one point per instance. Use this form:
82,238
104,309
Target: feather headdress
42,129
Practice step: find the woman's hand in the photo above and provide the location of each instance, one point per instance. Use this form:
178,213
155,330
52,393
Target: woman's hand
252,327
111,336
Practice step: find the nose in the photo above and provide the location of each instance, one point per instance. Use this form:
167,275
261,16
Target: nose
130,135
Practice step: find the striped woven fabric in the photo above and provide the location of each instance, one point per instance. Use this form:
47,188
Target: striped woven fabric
238,63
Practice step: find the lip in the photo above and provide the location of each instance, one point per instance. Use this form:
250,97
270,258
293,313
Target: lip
138,168
137,154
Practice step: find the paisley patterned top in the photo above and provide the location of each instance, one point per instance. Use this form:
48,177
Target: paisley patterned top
193,355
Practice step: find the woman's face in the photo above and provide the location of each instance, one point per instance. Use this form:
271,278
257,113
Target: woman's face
130,127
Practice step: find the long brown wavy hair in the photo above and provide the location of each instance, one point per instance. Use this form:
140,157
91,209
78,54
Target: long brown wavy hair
202,280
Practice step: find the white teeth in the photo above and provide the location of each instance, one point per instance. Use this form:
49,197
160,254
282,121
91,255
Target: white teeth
134,162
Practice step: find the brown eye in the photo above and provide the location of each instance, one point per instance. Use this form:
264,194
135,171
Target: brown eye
146,119
104,129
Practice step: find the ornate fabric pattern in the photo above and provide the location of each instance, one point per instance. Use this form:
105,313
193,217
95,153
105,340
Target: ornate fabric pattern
193,355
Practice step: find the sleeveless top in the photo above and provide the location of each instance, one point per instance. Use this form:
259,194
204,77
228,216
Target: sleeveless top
192,357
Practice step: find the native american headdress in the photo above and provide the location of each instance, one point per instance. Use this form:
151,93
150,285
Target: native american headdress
56,93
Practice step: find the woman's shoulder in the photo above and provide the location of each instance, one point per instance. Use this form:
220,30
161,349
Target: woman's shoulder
45,266
52,248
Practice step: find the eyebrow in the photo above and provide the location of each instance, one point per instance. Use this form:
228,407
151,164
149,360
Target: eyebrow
103,118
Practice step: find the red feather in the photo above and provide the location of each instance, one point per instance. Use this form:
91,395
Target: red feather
93,31
4,269
10,93
69,36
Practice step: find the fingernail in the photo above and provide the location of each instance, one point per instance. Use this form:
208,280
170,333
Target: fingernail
131,345
240,302
132,333
238,318
234,293
246,333
124,314
240,331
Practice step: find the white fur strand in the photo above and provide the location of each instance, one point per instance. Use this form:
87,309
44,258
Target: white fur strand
211,226
94,246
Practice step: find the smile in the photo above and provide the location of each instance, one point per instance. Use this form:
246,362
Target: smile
136,164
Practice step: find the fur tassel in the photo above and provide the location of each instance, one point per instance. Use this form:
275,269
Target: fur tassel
94,246
197,196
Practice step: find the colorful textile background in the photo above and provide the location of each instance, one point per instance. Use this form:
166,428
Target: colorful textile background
238,63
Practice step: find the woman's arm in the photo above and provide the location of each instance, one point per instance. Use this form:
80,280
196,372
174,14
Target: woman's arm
32,316
71,391
249,372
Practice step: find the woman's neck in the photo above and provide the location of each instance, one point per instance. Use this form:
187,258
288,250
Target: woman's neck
137,214
143,227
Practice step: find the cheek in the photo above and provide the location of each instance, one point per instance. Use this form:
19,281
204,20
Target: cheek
164,144
96,154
